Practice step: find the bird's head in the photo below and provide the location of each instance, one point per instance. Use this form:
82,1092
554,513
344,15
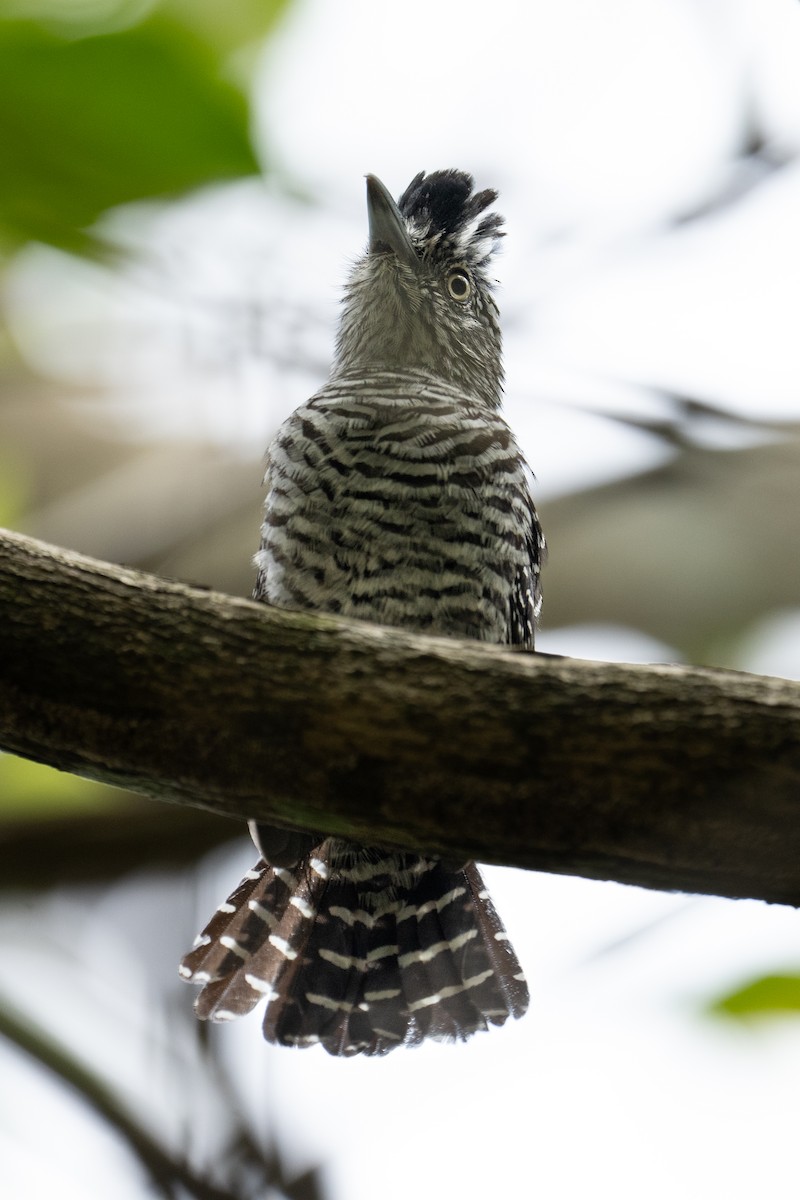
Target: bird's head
421,296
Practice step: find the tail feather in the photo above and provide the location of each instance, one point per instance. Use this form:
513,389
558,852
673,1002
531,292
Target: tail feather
359,951
507,982
424,961
351,952
212,958
252,942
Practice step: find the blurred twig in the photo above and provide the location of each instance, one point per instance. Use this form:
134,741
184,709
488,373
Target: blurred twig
167,1174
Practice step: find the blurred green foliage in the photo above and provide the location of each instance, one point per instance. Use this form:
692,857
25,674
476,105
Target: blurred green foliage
31,790
103,103
769,996
15,486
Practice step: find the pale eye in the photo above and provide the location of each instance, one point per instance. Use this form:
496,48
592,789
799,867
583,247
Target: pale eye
459,285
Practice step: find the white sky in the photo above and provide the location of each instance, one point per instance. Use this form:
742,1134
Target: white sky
597,122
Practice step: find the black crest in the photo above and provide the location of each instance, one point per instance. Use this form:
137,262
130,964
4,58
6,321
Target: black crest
443,211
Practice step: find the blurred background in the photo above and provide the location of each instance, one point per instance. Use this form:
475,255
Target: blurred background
182,193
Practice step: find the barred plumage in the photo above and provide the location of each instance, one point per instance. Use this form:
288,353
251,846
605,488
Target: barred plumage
397,494
420,513
359,950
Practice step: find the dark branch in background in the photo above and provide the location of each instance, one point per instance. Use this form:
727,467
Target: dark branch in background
668,777
97,847
165,1172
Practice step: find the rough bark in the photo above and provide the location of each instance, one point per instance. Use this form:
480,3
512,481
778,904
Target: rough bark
669,777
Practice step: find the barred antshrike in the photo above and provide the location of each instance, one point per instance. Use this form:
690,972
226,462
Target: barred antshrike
396,494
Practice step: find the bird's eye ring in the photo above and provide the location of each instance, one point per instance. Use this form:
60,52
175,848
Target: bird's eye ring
459,285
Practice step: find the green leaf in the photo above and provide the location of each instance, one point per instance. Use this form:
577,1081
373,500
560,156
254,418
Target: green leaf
769,996
231,25
91,123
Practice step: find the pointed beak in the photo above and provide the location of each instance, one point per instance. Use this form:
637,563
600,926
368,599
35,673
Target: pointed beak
387,229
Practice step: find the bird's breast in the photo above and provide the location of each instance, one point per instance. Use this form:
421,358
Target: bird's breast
399,502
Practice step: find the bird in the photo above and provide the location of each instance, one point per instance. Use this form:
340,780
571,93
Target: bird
398,495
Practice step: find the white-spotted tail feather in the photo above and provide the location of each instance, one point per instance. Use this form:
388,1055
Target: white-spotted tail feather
359,951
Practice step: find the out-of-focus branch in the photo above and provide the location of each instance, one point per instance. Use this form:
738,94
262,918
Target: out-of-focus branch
668,777
168,1175
102,845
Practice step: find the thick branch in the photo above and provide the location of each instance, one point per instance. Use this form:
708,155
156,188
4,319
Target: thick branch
668,777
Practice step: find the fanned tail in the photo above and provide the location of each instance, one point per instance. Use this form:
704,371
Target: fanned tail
360,951
253,945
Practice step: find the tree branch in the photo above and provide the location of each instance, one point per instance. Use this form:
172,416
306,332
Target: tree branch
668,777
